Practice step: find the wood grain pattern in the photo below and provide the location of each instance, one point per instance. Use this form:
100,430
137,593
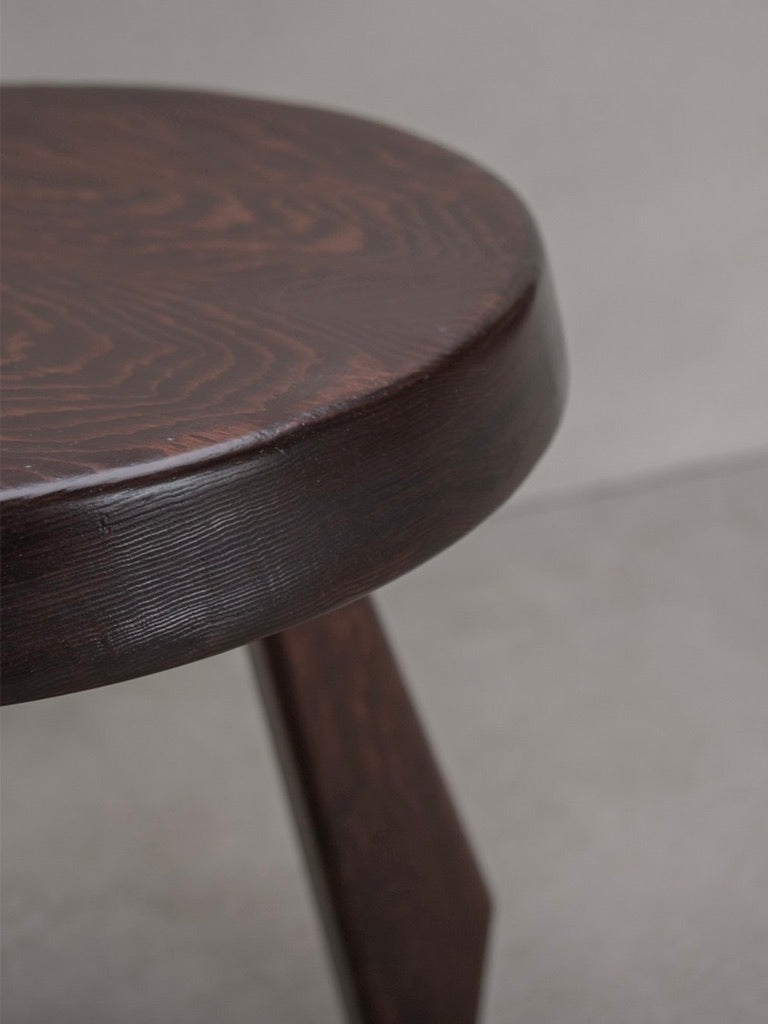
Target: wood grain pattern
257,360
404,903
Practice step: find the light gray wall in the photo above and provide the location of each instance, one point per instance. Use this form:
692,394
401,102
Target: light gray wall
637,131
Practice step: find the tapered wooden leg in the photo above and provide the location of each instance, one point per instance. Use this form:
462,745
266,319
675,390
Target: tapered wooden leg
403,901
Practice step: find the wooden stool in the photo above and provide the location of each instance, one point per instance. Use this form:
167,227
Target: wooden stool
259,360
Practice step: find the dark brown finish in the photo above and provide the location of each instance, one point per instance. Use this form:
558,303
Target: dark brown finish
405,905
258,360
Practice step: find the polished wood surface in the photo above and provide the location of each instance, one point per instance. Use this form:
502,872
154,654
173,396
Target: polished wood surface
404,903
257,360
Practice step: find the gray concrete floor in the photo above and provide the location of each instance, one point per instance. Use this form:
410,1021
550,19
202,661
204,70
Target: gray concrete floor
593,674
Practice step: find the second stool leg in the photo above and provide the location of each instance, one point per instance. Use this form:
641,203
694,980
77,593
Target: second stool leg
402,898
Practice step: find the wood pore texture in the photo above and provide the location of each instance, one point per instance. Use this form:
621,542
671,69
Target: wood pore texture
258,360
404,903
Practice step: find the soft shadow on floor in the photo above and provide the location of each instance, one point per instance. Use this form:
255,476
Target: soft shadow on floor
593,677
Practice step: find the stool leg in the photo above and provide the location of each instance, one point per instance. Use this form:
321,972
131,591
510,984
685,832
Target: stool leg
402,899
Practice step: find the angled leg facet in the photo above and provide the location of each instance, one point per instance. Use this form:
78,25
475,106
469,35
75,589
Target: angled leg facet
403,902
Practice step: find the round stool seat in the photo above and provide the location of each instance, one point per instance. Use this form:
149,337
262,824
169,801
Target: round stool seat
258,360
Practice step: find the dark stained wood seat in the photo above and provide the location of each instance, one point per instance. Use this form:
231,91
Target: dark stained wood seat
258,360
